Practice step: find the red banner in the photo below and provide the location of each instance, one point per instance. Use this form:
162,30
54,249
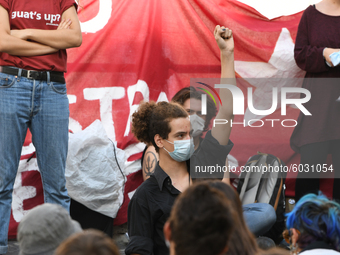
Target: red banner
148,50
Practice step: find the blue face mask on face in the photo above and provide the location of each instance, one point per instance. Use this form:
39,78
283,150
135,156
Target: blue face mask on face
183,149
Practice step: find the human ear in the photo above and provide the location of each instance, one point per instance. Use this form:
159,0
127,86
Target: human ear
158,141
167,231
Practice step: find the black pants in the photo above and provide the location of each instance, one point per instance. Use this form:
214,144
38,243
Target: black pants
313,155
88,218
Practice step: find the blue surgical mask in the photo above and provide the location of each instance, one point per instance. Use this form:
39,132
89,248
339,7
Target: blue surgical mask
183,149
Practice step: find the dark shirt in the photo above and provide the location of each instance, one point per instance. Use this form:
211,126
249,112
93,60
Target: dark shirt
151,205
317,31
209,158
148,211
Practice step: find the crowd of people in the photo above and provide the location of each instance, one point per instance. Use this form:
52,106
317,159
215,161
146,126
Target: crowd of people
205,219
176,210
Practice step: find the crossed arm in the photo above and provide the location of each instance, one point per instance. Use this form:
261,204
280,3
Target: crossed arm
307,56
15,42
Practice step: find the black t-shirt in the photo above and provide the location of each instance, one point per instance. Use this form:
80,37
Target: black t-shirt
151,205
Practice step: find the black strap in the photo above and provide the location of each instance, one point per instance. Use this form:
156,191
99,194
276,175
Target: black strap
36,75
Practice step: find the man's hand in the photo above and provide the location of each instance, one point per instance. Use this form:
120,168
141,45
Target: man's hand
224,39
65,24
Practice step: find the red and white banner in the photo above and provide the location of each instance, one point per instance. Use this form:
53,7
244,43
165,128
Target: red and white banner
147,50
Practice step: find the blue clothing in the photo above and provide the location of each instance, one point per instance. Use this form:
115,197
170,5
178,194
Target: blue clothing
43,107
259,217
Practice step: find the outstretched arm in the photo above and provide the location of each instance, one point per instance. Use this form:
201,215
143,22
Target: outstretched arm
225,41
15,46
67,35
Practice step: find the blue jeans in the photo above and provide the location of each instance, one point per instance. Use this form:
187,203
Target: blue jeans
259,217
41,106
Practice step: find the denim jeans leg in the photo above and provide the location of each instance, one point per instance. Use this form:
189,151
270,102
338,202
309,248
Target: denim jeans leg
49,128
259,217
14,111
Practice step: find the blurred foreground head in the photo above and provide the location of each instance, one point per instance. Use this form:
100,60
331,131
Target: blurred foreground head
201,222
44,228
242,240
89,242
315,218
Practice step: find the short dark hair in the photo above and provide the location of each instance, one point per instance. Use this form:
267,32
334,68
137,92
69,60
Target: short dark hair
89,242
153,118
242,240
201,221
191,92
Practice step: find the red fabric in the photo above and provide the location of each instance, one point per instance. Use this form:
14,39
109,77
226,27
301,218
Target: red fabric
29,179
148,51
133,181
39,15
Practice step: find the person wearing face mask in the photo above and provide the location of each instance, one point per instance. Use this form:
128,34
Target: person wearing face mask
197,125
190,99
167,127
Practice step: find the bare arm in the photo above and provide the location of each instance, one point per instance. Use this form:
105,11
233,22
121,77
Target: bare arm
149,162
15,46
226,177
225,41
60,38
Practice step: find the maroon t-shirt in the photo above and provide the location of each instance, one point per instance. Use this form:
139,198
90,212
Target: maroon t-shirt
37,14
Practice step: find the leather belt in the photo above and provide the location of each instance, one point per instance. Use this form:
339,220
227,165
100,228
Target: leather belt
36,75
